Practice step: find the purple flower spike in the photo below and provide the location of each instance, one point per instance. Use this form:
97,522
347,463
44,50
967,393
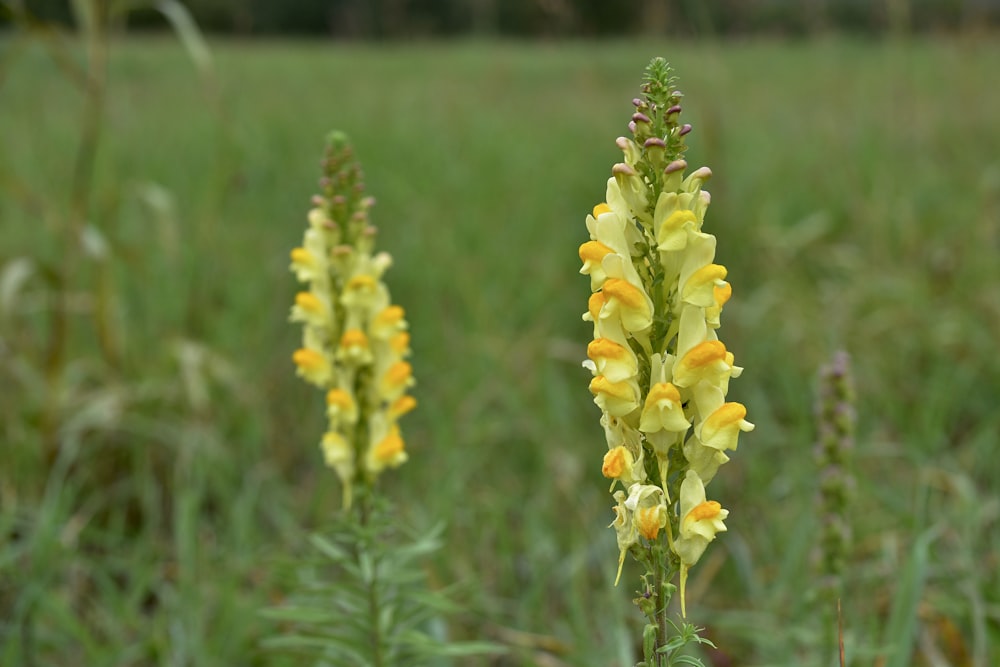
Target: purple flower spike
632,126
674,109
638,102
641,118
685,128
654,141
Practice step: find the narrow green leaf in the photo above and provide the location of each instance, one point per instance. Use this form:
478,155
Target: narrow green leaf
188,33
329,549
901,629
298,614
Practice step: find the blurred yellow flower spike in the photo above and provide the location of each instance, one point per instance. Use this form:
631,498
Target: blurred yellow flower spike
660,371
354,338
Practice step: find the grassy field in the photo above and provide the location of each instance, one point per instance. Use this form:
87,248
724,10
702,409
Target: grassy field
155,484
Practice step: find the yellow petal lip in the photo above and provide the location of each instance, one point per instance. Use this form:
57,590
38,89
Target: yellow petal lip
723,293
706,510
361,282
600,209
601,385
354,337
399,373
339,398
615,463
389,316
663,391
705,353
301,256
627,293
595,303
594,252
727,414
308,359
649,521
401,406
390,448
678,218
308,301
400,343
604,348
709,273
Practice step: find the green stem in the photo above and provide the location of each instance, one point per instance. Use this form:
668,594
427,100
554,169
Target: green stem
81,186
374,626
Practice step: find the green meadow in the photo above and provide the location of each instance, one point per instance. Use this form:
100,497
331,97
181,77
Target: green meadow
159,462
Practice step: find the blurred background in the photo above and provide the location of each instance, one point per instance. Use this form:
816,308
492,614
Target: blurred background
159,461
400,19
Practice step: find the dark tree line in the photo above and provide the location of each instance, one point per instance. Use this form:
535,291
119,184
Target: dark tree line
402,19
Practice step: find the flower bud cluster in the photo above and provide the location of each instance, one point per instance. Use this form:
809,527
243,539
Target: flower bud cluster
354,341
835,418
660,372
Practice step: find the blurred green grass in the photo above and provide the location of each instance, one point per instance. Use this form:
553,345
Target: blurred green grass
856,200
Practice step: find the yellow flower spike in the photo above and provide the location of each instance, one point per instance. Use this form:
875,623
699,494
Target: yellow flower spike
312,366
353,339
656,303
616,398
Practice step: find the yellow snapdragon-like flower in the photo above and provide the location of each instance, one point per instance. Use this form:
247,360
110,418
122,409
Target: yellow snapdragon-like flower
354,338
660,370
700,521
